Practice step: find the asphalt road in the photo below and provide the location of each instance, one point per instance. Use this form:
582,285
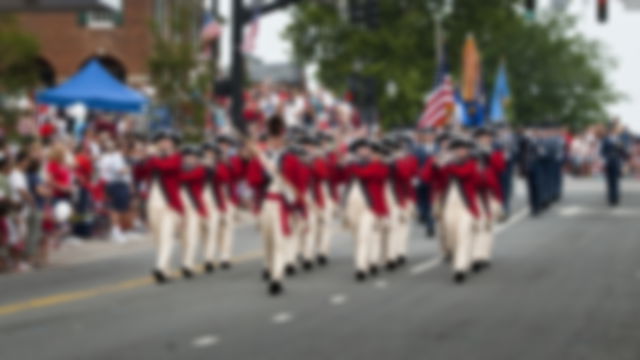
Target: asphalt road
565,285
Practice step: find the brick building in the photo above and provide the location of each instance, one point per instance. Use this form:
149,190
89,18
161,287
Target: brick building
121,39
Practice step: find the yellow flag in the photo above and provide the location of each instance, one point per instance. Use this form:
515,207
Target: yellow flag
470,69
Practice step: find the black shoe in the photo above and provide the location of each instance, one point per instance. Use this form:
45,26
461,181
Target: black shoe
307,265
290,270
187,273
266,275
225,265
322,260
402,260
275,288
391,265
431,233
361,276
209,267
159,277
481,265
459,277
373,270
448,258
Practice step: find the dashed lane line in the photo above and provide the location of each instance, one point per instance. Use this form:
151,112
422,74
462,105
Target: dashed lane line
282,318
338,299
205,341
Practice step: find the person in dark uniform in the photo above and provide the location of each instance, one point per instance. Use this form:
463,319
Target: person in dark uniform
424,150
615,154
531,153
507,141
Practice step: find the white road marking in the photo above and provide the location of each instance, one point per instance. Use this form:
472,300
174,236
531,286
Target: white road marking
282,317
205,341
338,299
571,211
433,263
381,284
425,266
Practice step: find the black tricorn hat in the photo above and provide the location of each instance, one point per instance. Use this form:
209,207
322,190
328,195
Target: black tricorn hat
191,149
460,143
483,131
359,143
166,134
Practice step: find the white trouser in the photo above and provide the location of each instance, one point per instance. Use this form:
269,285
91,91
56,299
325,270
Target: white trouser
388,236
367,246
323,227
401,230
458,224
164,222
213,227
225,242
484,235
308,233
191,234
276,244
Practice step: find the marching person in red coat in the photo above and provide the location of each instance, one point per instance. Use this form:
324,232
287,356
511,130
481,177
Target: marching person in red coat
459,204
492,164
193,178
366,206
323,202
282,167
215,202
235,173
164,205
403,177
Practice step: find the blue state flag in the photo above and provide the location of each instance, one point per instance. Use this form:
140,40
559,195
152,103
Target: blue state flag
501,95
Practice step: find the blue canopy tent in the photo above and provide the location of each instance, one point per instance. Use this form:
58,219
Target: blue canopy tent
97,89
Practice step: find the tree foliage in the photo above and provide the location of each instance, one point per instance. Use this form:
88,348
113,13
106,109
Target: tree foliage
554,72
18,70
179,75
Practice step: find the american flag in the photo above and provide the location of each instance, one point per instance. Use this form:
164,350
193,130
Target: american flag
251,37
440,102
211,29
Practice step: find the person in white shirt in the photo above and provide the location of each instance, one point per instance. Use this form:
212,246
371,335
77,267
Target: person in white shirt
114,171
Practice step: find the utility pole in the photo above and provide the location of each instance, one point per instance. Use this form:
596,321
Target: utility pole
240,16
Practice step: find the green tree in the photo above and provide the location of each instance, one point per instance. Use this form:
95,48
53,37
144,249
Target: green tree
554,71
182,80
18,67
18,71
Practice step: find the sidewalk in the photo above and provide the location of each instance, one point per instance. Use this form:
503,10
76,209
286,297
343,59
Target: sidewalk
74,251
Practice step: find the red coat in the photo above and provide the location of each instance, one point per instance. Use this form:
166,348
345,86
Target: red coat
404,171
489,175
166,170
193,181
320,177
372,175
466,175
219,180
432,174
337,174
236,167
258,181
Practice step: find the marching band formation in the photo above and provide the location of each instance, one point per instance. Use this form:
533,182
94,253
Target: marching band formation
302,183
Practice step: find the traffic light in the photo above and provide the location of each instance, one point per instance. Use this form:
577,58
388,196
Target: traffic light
530,9
372,13
530,6
356,12
603,10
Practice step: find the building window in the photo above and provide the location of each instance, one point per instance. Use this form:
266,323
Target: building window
100,20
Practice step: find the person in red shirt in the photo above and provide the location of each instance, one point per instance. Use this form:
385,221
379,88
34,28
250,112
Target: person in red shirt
366,205
215,202
192,177
235,168
404,172
492,164
283,171
305,219
459,204
164,204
